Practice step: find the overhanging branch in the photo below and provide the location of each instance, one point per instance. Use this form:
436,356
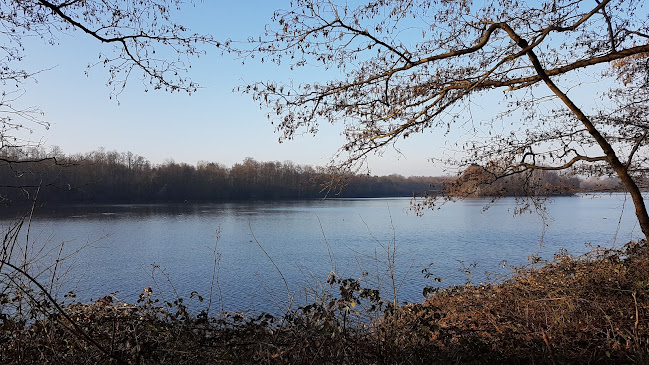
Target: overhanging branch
564,166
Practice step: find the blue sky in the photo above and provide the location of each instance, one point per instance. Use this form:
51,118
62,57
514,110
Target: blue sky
214,124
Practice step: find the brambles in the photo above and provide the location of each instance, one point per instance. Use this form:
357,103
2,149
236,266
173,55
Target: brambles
588,309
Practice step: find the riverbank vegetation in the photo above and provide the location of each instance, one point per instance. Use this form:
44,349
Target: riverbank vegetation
588,309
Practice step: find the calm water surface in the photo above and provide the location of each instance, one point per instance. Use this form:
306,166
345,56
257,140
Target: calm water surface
171,247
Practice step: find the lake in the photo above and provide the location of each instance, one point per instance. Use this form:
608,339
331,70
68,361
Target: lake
126,248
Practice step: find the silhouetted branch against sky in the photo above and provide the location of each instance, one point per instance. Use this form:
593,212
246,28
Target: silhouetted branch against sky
132,39
143,35
412,66
415,66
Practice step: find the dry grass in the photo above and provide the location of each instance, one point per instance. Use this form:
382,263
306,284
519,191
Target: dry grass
574,310
588,309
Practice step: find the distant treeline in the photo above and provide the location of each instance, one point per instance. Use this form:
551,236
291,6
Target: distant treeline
123,177
113,177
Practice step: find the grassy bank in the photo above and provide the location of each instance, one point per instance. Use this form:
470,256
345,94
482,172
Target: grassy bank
588,309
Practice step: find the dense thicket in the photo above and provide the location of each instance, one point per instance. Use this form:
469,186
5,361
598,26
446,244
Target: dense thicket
114,177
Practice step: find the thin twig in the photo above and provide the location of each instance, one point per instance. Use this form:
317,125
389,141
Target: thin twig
215,273
288,291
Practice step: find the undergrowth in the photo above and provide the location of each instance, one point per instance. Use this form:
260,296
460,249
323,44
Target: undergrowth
573,310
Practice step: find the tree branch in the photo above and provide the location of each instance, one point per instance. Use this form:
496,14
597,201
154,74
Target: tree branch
635,148
564,166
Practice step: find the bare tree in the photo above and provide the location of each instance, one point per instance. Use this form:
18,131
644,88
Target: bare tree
406,66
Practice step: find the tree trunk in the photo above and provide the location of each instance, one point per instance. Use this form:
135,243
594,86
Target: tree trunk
638,200
614,162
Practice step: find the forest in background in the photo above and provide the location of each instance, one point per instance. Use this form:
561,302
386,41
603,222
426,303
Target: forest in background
123,177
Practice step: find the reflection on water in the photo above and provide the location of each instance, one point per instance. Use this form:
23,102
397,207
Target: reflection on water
171,247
